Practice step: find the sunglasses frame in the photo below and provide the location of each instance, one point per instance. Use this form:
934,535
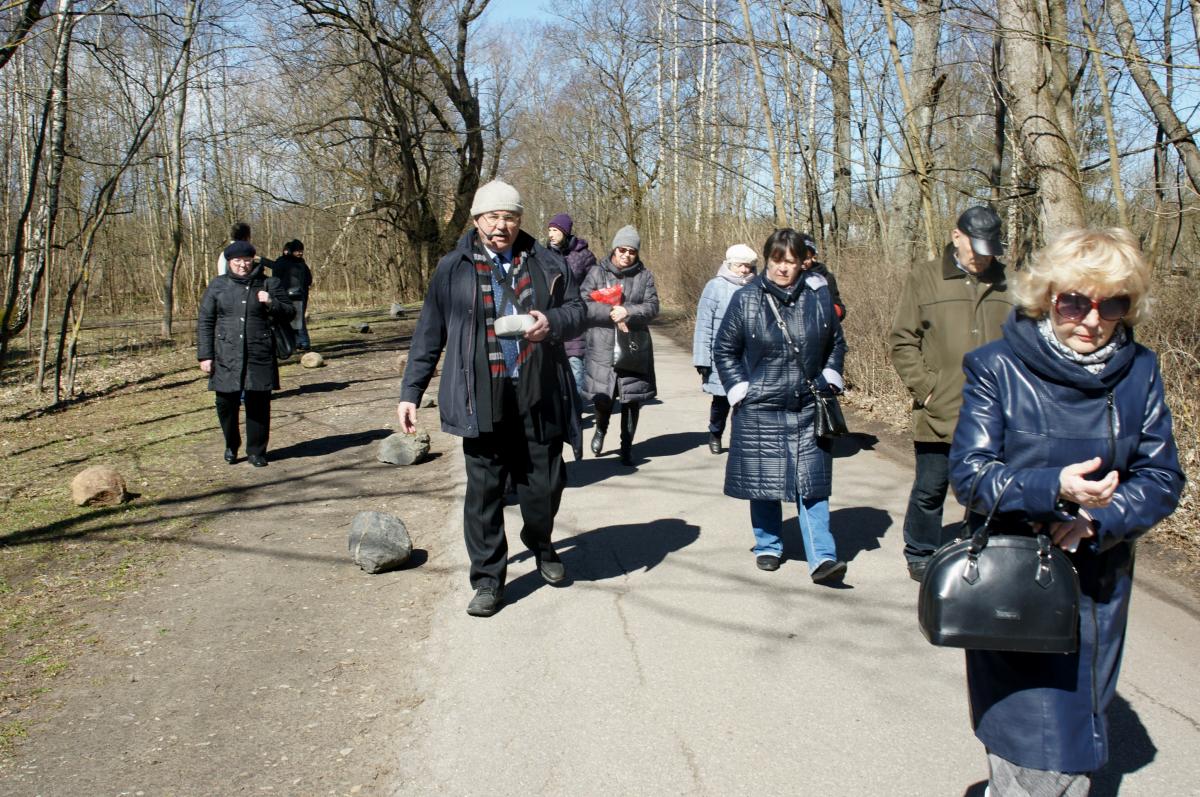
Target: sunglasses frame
1094,304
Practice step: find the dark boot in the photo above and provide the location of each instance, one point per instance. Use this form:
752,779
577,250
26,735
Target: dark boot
714,443
629,422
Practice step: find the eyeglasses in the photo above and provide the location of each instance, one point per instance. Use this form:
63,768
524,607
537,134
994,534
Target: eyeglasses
625,250
1074,306
505,219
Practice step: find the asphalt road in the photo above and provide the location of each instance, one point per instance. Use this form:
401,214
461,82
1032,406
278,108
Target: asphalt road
668,664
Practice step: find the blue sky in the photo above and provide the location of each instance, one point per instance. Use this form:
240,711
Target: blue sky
513,9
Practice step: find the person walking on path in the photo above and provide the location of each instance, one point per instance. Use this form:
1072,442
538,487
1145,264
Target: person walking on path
814,266
236,348
947,308
738,268
1064,430
580,260
296,277
780,341
605,382
499,307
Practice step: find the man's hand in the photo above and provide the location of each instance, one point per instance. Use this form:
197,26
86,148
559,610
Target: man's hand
264,297
1072,485
206,366
408,416
540,328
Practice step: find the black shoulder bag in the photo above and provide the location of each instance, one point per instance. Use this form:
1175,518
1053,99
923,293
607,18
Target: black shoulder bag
1000,592
282,334
828,420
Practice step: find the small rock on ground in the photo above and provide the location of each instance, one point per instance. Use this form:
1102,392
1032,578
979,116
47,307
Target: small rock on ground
312,360
379,542
404,449
98,485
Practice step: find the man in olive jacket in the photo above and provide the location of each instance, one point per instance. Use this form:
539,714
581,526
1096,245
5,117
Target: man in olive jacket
948,307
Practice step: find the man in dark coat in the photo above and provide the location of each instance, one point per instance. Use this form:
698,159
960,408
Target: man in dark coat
579,259
948,307
296,277
499,307
236,348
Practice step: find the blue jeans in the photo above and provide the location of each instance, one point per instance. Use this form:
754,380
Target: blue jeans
767,519
578,370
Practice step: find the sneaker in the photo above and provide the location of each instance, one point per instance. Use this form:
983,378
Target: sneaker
829,570
767,562
714,443
486,602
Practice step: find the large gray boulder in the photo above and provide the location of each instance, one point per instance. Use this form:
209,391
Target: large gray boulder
379,541
98,485
404,449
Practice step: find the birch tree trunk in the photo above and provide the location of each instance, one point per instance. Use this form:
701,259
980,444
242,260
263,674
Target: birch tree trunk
839,85
769,126
1035,109
176,176
1110,132
1160,105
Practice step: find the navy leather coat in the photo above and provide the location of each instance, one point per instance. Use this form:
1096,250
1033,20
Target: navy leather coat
773,453
1029,408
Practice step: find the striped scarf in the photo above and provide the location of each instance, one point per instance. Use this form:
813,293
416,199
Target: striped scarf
489,275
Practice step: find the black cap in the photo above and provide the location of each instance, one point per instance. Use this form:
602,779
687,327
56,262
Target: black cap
239,249
982,226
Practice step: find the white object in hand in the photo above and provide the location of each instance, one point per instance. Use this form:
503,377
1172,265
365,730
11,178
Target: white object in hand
513,326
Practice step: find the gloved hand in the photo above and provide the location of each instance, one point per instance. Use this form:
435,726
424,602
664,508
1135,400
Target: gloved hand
705,372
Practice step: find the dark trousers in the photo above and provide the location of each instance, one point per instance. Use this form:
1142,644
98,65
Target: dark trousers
629,418
718,413
923,520
540,476
258,419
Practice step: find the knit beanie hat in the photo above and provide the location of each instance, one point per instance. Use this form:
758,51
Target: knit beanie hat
496,195
239,249
627,236
740,253
563,222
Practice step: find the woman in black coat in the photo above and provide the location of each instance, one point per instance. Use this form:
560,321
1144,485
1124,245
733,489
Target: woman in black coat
774,455
236,348
1064,424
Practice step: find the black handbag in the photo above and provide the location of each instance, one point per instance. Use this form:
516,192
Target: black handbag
1000,591
635,352
828,420
285,339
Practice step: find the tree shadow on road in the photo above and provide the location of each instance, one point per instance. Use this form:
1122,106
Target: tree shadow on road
330,444
592,469
609,552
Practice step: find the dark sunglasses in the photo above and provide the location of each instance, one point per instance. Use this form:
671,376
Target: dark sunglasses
1075,306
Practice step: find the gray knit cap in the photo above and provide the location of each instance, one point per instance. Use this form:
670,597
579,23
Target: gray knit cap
496,195
627,236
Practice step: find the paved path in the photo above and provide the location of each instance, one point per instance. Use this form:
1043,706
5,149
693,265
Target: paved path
670,665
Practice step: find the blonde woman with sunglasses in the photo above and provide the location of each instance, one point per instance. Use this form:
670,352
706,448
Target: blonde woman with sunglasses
1072,409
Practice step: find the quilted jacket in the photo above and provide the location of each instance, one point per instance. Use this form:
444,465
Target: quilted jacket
640,298
773,453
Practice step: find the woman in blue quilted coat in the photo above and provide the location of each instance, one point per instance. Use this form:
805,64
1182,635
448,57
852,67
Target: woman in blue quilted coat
735,273
774,454
1072,409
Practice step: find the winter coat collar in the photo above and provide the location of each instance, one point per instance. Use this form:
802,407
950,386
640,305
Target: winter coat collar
621,273
950,270
1021,333
256,273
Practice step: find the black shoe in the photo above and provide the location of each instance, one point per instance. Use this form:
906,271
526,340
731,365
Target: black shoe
257,460
829,570
767,562
549,565
714,443
627,455
486,602
597,442
916,569
230,456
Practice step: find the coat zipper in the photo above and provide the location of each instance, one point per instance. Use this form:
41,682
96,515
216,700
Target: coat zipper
1112,431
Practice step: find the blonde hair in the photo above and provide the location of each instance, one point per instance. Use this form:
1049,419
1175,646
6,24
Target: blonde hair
1107,261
